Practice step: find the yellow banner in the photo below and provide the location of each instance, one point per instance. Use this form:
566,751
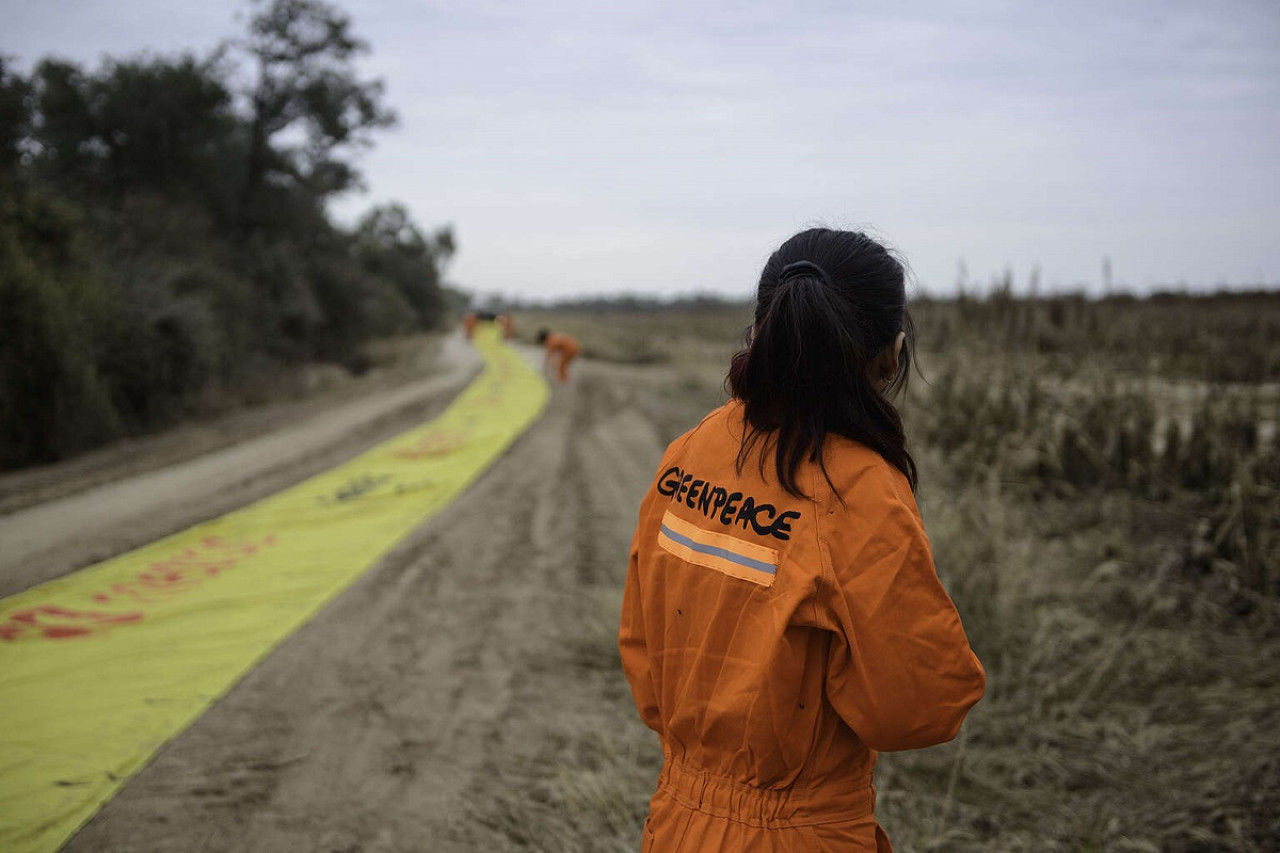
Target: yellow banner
100,668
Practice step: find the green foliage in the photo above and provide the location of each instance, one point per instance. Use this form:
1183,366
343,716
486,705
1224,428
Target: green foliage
390,246
63,134
167,126
51,399
354,306
165,235
15,116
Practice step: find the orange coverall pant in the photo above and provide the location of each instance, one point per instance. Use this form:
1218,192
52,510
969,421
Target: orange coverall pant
777,643
565,349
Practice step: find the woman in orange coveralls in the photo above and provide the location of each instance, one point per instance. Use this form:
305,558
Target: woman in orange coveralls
782,621
559,346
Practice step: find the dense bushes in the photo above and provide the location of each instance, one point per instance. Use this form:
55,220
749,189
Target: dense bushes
52,296
164,239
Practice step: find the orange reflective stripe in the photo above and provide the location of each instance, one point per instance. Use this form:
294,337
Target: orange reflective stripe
730,555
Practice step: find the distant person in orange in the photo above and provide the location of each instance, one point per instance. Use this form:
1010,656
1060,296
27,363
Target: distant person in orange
469,322
782,621
561,347
507,325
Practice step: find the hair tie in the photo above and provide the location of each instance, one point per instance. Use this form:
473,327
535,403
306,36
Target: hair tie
800,268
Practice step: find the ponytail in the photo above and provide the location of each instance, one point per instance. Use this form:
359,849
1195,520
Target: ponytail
805,373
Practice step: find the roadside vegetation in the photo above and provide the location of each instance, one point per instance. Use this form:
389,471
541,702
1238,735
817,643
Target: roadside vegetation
165,250
1101,482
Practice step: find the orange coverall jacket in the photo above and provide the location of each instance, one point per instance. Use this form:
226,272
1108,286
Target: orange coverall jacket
776,643
566,348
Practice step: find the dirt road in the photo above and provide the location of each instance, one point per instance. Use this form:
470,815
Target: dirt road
55,536
398,719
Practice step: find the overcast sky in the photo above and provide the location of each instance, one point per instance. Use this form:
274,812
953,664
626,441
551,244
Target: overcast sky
668,147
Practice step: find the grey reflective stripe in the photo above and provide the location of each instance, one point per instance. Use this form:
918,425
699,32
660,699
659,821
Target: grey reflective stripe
722,553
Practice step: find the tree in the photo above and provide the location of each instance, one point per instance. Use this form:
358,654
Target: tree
389,228
167,125
159,124
63,126
389,244
306,81
15,116
164,236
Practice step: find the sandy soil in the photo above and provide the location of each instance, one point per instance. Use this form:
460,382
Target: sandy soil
377,726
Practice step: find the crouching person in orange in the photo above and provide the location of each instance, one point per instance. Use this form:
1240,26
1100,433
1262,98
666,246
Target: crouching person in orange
782,620
561,347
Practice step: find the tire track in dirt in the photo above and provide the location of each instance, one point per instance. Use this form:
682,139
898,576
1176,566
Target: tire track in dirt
576,765
387,721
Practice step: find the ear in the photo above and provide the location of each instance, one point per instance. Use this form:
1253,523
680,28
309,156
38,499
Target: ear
885,365
890,357
897,351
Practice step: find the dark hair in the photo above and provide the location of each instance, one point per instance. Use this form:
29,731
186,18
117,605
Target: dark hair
542,335
804,373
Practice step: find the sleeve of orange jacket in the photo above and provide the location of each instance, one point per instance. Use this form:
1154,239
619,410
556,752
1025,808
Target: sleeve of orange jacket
632,646
901,672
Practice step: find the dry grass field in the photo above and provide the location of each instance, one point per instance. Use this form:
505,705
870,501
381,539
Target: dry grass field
1101,482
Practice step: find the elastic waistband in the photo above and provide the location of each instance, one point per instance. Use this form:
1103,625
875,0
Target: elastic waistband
774,807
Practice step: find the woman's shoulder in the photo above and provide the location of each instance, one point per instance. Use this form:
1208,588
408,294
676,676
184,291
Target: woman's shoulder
855,469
